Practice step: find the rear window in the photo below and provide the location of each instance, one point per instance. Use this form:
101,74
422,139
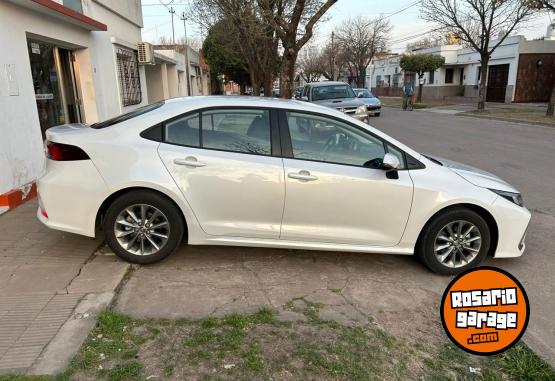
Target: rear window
127,116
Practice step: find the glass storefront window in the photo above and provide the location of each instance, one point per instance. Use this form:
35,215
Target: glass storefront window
46,84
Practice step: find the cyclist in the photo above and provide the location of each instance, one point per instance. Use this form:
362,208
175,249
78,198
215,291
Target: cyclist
408,92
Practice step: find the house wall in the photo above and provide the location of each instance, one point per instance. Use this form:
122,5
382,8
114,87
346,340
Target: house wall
21,146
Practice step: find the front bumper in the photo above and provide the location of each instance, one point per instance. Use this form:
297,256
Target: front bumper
512,224
372,110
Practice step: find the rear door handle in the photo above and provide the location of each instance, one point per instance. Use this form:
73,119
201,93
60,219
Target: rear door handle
302,175
189,161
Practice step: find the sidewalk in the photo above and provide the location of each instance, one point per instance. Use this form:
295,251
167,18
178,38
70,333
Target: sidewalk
44,275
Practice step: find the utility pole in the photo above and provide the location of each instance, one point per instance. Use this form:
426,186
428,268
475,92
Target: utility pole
172,11
332,57
186,54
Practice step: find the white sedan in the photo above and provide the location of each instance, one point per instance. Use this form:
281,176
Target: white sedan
249,171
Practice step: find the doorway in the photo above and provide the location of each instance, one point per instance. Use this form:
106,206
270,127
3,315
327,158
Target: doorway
54,73
498,78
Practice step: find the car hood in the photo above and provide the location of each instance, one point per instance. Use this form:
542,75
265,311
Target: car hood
476,176
370,101
340,102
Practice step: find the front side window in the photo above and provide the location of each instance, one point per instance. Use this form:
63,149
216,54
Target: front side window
324,139
240,130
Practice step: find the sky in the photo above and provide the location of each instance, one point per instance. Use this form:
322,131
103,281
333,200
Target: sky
406,22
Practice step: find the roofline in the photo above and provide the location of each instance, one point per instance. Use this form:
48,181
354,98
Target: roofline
60,11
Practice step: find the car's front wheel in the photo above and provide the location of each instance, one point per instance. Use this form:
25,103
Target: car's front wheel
454,241
143,227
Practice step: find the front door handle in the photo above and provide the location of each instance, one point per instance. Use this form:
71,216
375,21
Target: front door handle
189,161
302,175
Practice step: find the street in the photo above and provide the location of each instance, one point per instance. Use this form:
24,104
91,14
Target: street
396,291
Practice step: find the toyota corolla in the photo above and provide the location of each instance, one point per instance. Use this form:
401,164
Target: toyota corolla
261,172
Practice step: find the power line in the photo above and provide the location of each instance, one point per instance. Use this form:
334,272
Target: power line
402,10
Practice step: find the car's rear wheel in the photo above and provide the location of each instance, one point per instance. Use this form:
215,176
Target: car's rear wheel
454,241
143,227
377,114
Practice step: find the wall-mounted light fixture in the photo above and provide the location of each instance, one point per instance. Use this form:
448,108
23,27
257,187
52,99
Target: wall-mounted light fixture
539,63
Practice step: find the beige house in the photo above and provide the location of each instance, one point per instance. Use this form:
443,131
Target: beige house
169,76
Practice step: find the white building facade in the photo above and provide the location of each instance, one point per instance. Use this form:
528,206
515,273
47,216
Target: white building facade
515,67
63,61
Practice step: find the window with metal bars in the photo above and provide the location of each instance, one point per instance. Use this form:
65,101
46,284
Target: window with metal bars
129,78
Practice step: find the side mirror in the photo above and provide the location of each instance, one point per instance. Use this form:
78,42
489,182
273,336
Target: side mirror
390,162
361,95
305,98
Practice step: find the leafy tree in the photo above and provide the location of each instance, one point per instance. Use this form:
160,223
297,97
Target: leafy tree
223,55
482,25
361,39
254,38
420,64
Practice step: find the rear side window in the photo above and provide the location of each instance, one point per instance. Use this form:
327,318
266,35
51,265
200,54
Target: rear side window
127,116
246,131
234,130
184,131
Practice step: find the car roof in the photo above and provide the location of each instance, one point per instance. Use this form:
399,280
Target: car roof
326,83
183,104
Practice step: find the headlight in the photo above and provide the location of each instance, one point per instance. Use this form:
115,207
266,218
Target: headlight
511,196
361,110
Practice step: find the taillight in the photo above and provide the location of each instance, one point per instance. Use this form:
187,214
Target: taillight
64,152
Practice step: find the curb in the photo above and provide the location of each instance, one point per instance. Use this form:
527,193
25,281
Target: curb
500,119
18,196
63,347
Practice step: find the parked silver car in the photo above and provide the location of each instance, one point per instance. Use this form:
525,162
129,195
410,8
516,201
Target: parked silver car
336,95
373,104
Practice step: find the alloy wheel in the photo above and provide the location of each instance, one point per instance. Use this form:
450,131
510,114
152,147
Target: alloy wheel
142,229
457,244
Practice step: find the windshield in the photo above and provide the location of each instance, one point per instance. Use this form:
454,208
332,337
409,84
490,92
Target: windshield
127,116
320,93
365,93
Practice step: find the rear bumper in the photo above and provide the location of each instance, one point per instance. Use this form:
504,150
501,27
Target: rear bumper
512,224
70,192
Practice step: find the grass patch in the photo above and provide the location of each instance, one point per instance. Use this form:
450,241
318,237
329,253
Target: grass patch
258,346
517,114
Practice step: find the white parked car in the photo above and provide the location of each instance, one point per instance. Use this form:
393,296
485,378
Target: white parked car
250,171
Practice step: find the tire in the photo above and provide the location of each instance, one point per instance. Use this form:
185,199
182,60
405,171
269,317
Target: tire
163,219
474,252
377,114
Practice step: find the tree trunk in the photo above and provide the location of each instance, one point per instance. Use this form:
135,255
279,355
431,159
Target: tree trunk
268,85
287,74
420,86
483,83
551,105
361,76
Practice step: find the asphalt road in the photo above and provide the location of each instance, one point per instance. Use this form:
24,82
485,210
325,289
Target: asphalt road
395,291
522,154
